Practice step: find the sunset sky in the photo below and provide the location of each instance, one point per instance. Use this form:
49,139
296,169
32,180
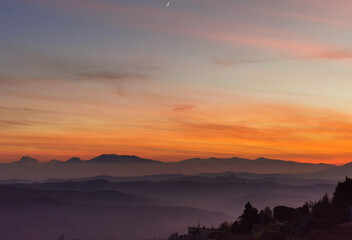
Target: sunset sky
200,78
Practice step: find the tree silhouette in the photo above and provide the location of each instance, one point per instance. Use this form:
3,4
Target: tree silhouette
320,208
342,200
174,236
266,216
343,192
235,227
302,211
283,214
248,218
225,226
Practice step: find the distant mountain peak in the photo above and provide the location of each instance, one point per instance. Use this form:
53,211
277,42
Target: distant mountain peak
114,158
264,159
347,164
212,159
26,159
74,160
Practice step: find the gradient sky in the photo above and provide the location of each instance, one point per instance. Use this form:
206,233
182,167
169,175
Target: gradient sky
199,78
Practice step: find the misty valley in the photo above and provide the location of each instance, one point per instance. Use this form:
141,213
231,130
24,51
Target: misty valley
145,206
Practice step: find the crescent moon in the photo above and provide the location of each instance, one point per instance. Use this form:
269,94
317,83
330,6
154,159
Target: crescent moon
168,4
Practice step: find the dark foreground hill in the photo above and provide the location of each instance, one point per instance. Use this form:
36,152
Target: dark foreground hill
41,215
104,198
333,172
224,194
138,208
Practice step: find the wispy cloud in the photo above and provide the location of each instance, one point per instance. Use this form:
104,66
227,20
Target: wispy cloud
183,107
30,65
112,76
293,48
230,6
230,62
150,19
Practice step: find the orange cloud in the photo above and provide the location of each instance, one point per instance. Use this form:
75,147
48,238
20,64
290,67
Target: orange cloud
246,129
